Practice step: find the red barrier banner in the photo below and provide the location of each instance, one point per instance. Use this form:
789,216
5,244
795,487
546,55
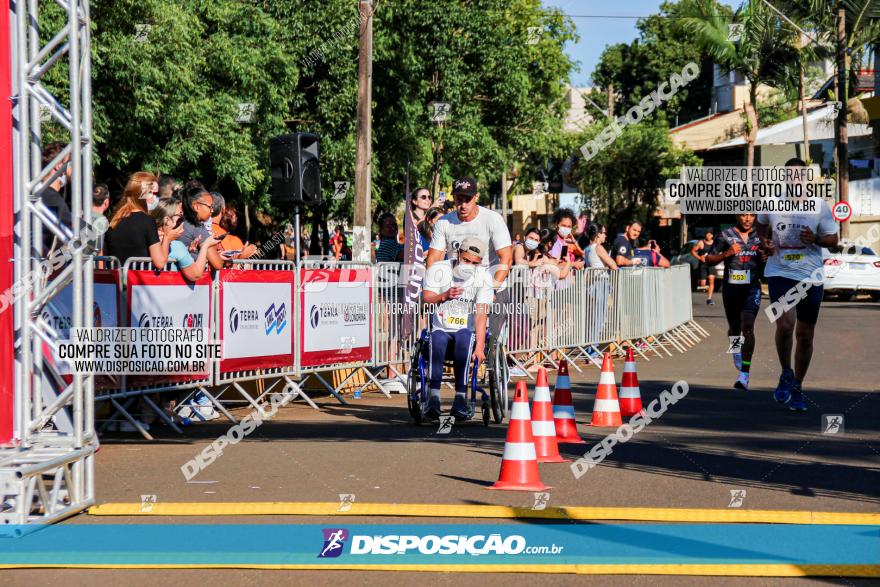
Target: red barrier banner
255,321
106,311
335,315
164,299
7,355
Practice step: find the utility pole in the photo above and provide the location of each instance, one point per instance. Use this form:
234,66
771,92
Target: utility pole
363,158
842,134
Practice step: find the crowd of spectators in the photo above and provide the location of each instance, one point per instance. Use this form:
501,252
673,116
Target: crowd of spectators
195,229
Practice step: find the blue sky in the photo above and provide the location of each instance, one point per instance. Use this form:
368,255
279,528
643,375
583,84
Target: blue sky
596,33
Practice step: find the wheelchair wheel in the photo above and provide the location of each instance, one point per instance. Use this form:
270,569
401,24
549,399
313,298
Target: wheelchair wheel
416,384
498,378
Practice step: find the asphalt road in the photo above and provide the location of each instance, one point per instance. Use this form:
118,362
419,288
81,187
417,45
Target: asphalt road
715,440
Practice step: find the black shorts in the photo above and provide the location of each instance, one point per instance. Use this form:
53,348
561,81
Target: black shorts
740,299
706,271
807,307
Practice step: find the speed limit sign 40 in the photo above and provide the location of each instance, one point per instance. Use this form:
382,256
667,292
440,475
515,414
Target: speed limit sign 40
841,211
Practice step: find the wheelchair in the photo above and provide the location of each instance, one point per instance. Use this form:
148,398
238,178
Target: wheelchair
492,374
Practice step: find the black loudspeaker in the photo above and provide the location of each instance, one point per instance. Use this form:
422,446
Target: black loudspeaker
296,169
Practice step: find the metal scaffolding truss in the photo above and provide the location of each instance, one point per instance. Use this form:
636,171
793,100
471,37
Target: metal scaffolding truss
49,473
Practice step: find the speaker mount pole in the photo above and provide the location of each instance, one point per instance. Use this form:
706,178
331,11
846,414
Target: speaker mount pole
297,236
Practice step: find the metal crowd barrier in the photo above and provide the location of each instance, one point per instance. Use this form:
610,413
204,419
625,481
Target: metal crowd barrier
379,312
131,391
577,319
228,381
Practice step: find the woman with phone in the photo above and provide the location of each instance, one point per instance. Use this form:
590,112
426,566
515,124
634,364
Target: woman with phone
197,209
168,216
565,247
231,247
132,232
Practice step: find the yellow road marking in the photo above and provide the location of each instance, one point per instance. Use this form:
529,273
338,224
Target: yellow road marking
733,570
281,508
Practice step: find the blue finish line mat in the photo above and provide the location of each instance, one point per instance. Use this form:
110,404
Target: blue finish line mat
715,549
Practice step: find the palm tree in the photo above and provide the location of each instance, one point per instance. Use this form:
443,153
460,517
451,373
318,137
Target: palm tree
763,54
853,26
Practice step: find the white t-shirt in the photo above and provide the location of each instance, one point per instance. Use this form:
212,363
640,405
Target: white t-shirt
792,258
453,315
488,226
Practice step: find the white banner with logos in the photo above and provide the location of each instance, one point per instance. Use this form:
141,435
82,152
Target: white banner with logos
336,318
256,322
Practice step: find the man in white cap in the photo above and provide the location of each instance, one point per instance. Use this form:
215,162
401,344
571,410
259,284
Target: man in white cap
462,290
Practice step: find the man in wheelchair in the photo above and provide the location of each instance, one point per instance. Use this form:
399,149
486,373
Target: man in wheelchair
462,291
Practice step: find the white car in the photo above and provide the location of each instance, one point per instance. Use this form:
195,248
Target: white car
854,270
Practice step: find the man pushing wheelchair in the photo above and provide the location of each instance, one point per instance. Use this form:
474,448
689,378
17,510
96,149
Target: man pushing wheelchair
461,291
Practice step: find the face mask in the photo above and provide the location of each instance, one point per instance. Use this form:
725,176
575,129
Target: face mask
531,244
152,203
63,179
564,231
464,271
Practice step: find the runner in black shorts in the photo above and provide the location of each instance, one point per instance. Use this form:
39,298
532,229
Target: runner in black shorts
743,254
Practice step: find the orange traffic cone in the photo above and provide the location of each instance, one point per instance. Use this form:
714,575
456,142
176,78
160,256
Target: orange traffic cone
543,429
630,397
563,410
519,465
606,410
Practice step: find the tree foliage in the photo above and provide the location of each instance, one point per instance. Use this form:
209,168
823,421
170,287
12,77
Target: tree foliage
624,178
636,69
168,101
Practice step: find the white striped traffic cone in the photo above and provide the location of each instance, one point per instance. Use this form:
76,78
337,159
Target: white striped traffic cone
519,464
606,410
630,396
543,428
563,409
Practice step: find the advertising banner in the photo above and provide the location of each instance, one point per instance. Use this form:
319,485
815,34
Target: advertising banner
58,314
256,319
166,300
335,316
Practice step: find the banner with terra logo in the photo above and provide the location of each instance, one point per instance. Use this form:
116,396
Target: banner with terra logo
164,299
335,315
255,311
58,314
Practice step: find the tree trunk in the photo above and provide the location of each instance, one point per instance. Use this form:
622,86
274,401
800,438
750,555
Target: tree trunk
802,91
752,122
610,101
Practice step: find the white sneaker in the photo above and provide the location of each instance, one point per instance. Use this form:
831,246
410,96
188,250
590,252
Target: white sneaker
126,426
742,382
738,361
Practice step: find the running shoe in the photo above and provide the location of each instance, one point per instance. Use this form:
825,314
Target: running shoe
710,302
433,411
738,361
742,382
797,402
460,408
783,390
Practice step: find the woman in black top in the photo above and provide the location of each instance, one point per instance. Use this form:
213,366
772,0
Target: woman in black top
132,231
